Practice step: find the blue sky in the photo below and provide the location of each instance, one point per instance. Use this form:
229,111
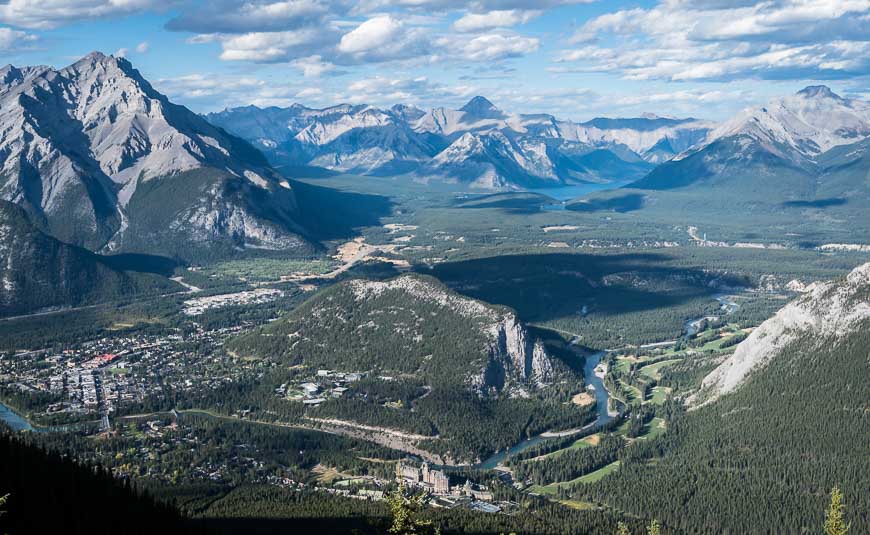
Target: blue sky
575,59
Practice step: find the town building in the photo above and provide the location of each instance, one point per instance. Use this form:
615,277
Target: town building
434,481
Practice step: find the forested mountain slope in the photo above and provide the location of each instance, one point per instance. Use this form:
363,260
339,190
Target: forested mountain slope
38,271
49,493
763,457
435,363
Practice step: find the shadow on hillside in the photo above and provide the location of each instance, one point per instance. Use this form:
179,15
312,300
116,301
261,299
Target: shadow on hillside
144,263
256,526
817,203
624,203
511,202
330,214
542,287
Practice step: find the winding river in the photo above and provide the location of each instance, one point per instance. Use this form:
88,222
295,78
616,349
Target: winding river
600,406
726,304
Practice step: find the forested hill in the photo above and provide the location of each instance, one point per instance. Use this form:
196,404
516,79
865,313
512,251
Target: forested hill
411,325
464,375
48,493
39,271
762,458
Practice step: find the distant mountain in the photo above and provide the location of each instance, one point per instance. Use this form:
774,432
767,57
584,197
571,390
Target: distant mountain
39,271
350,138
101,159
792,149
803,125
477,144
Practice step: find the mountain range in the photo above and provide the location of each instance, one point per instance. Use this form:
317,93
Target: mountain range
805,148
477,144
100,159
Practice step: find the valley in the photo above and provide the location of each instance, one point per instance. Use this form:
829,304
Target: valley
635,320
260,316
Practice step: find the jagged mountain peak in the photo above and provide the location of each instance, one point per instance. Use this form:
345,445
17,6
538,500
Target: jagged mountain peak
802,126
92,134
523,148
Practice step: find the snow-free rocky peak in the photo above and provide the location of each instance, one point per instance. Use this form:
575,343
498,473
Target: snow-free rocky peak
480,107
79,144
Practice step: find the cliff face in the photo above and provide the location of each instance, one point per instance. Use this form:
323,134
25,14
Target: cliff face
413,325
515,356
830,309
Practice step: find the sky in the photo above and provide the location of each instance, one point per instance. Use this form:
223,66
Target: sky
576,59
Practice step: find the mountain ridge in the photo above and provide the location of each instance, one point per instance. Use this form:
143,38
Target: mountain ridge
527,149
79,143
39,271
784,149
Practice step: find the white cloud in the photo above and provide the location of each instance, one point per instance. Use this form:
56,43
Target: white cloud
473,22
708,40
235,16
208,92
496,46
264,47
387,91
143,47
13,39
309,92
371,34
46,14
121,52
313,66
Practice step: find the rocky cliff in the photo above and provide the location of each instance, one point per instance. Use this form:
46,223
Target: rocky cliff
100,159
827,310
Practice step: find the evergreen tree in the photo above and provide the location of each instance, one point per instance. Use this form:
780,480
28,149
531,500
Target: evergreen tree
835,523
406,513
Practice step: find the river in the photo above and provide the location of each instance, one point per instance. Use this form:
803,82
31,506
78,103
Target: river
726,304
600,406
13,419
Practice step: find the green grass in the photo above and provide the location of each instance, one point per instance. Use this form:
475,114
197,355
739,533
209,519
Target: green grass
267,269
652,370
576,445
553,488
659,395
654,428
599,474
579,505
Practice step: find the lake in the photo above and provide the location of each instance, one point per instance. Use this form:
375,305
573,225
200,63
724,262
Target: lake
566,193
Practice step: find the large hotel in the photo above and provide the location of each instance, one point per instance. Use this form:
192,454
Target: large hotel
434,481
